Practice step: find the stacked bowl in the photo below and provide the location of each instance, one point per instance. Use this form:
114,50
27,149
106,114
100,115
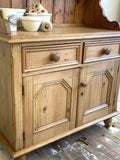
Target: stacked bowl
30,18
32,22
34,17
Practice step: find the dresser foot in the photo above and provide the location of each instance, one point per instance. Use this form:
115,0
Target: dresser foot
21,158
108,122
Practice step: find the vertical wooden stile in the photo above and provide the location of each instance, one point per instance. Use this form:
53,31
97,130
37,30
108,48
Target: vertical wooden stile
59,11
69,11
5,3
79,11
32,2
18,4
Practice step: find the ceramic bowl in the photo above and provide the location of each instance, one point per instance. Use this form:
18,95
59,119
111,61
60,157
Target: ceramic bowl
8,12
19,12
11,16
30,23
5,12
42,17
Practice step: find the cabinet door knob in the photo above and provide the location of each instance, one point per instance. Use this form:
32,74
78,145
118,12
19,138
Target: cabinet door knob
84,84
106,51
55,57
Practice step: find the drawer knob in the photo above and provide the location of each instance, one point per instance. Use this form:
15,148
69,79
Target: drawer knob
84,84
106,51
55,57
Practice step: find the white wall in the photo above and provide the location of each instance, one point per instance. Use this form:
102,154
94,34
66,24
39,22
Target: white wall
111,9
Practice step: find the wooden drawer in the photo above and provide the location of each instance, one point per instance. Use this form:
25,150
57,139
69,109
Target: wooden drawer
45,57
100,51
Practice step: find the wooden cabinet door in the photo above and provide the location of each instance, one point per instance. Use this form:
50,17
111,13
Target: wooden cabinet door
49,105
96,91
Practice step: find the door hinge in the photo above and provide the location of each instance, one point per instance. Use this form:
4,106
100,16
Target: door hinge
23,136
23,90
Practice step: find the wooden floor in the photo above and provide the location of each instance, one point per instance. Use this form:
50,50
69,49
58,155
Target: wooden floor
93,143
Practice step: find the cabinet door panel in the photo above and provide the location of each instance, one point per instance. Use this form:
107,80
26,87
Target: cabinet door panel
50,102
48,110
96,91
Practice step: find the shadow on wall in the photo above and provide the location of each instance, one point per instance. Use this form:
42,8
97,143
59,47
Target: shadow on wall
111,9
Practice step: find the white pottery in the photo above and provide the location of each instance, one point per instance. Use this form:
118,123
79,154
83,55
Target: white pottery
42,17
19,12
11,16
13,22
7,12
31,24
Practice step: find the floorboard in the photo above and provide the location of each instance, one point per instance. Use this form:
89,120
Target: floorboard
93,143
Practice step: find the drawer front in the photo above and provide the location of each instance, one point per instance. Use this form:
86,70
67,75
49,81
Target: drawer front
100,51
41,57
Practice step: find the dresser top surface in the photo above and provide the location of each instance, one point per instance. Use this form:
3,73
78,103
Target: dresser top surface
60,33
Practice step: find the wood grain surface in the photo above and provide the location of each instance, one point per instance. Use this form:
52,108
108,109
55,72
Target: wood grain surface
6,100
85,12
64,11
4,26
60,32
